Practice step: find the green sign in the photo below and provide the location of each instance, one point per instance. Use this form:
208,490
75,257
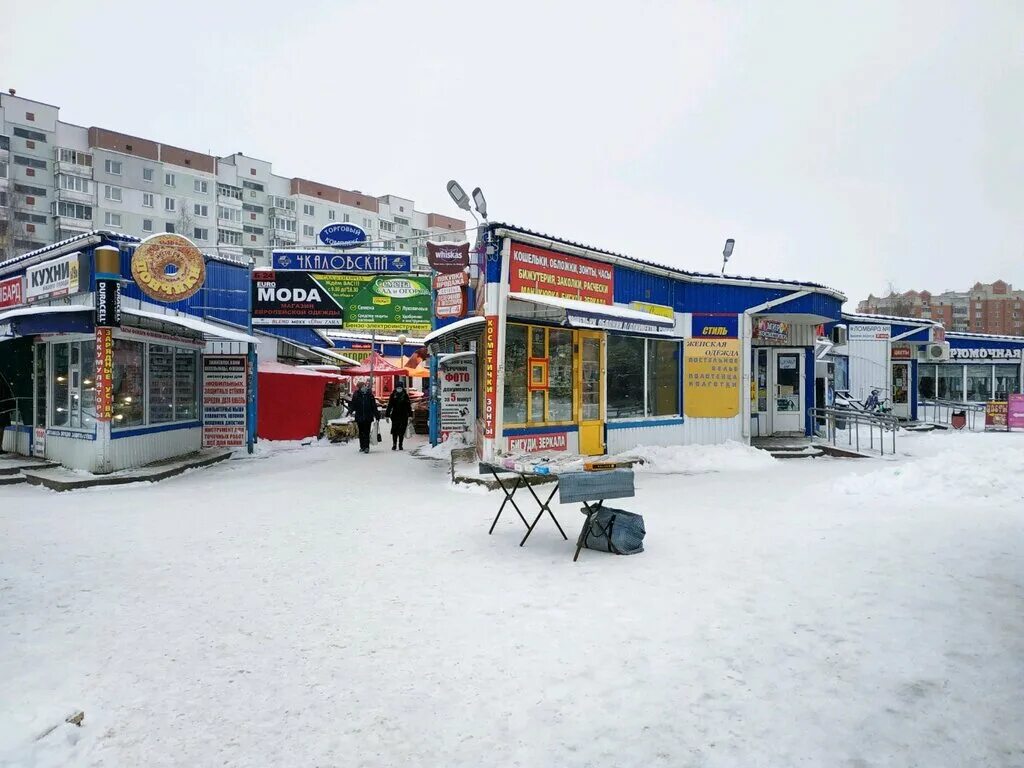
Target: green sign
380,302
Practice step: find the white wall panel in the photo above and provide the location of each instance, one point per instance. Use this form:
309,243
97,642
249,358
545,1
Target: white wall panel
138,450
78,454
869,366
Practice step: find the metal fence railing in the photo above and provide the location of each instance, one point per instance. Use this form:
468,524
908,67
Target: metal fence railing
942,411
848,422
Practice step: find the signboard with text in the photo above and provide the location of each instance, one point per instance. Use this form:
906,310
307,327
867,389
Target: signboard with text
860,332
1015,411
104,374
457,381
547,273
767,329
12,292
996,412
548,441
448,257
343,235
224,401
711,378
54,278
490,374
328,261
974,353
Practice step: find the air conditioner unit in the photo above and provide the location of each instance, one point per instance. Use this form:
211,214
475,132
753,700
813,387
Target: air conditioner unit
937,353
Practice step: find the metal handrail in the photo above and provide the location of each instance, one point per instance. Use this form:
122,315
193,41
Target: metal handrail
971,410
852,420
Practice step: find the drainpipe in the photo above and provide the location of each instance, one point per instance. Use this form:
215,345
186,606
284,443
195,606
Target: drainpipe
746,336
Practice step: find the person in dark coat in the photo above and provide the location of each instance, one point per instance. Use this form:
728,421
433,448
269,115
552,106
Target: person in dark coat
398,411
364,407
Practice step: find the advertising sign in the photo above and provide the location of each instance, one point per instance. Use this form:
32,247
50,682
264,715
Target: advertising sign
858,332
902,352
325,261
458,398
356,302
451,280
771,330
711,388
224,401
661,310
549,441
39,441
12,292
108,302
450,303
984,354
1015,411
59,277
996,412
490,374
715,326
628,325
168,267
343,235
448,257
543,272
104,374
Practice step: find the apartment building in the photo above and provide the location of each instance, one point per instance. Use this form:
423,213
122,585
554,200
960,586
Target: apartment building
59,179
985,308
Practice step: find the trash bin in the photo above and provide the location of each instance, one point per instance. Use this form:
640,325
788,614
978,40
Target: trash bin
958,420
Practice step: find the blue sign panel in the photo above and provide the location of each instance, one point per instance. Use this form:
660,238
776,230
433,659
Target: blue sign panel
715,327
327,261
343,235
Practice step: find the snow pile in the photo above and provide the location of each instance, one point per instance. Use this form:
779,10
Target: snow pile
692,459
967,470
442,450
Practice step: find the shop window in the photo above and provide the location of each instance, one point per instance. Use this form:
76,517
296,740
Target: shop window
185,389
926,381
950,382
172,384
979,383
60,414
662,378
515,410
559,375
1007,381
127,390
40,415
625,377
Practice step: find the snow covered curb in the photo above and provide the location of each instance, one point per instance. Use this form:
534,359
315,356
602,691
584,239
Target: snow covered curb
693,459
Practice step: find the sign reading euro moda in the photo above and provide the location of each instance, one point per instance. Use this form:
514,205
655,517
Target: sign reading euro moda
547,273
343,235
325,261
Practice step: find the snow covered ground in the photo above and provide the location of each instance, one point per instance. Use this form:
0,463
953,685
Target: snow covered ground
316,607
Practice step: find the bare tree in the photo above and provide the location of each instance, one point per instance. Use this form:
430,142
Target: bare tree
186,221
900,305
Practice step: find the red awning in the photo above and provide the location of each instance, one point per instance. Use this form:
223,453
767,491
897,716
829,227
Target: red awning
379,365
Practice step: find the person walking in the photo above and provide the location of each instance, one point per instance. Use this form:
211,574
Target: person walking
364,407
399,411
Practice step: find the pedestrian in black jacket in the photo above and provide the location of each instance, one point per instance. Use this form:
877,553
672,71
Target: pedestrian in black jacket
364,407
399,410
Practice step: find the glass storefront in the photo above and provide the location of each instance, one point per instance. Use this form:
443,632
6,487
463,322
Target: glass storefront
538,375
643,377
72,390
974,382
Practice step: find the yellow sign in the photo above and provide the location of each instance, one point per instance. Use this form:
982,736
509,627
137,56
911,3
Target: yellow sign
712,378
168,267
655,309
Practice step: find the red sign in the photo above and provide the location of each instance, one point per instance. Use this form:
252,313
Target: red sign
902,353
536,270
448,257
490,374
104,373
996,412
12,292
450,302
451,280
549,441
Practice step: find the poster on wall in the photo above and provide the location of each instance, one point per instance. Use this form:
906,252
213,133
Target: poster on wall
12,292
711,369
547,273
224,401
490,374
767,329
55,278
458,399
1015,411
355,302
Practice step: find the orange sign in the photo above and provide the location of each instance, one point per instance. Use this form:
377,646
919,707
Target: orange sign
548,273
168,267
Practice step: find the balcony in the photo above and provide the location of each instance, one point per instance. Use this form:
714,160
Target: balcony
73,196
73,168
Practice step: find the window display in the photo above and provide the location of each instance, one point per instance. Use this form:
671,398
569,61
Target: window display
979,383
60,414
559,375
662,378
1007,380
161,384
127,389
625,377
950,382
514,411
186,367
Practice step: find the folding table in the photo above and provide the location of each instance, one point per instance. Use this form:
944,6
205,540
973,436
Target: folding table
522,480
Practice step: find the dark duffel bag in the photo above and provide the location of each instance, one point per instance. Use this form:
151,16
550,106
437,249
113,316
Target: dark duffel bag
614,530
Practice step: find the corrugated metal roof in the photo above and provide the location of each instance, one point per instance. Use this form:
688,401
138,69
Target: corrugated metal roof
860,317
677,270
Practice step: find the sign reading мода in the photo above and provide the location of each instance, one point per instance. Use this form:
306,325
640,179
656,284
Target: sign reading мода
224,401
547,273
326,261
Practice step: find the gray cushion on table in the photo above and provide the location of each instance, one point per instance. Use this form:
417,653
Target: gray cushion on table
592,486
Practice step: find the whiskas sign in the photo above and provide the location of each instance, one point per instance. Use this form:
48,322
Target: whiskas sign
12,292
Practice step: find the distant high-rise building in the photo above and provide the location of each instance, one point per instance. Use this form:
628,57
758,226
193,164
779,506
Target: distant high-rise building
58,179
985,308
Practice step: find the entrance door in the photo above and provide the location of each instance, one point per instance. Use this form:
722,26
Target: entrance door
591,388
788,399
901,390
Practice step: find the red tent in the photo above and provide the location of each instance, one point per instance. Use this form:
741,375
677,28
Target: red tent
291,401
381,367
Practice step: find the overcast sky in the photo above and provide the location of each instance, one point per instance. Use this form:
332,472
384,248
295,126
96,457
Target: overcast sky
856,144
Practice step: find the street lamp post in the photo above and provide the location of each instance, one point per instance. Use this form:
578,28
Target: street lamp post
727,252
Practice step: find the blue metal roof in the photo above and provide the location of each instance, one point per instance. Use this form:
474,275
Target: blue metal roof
703,276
